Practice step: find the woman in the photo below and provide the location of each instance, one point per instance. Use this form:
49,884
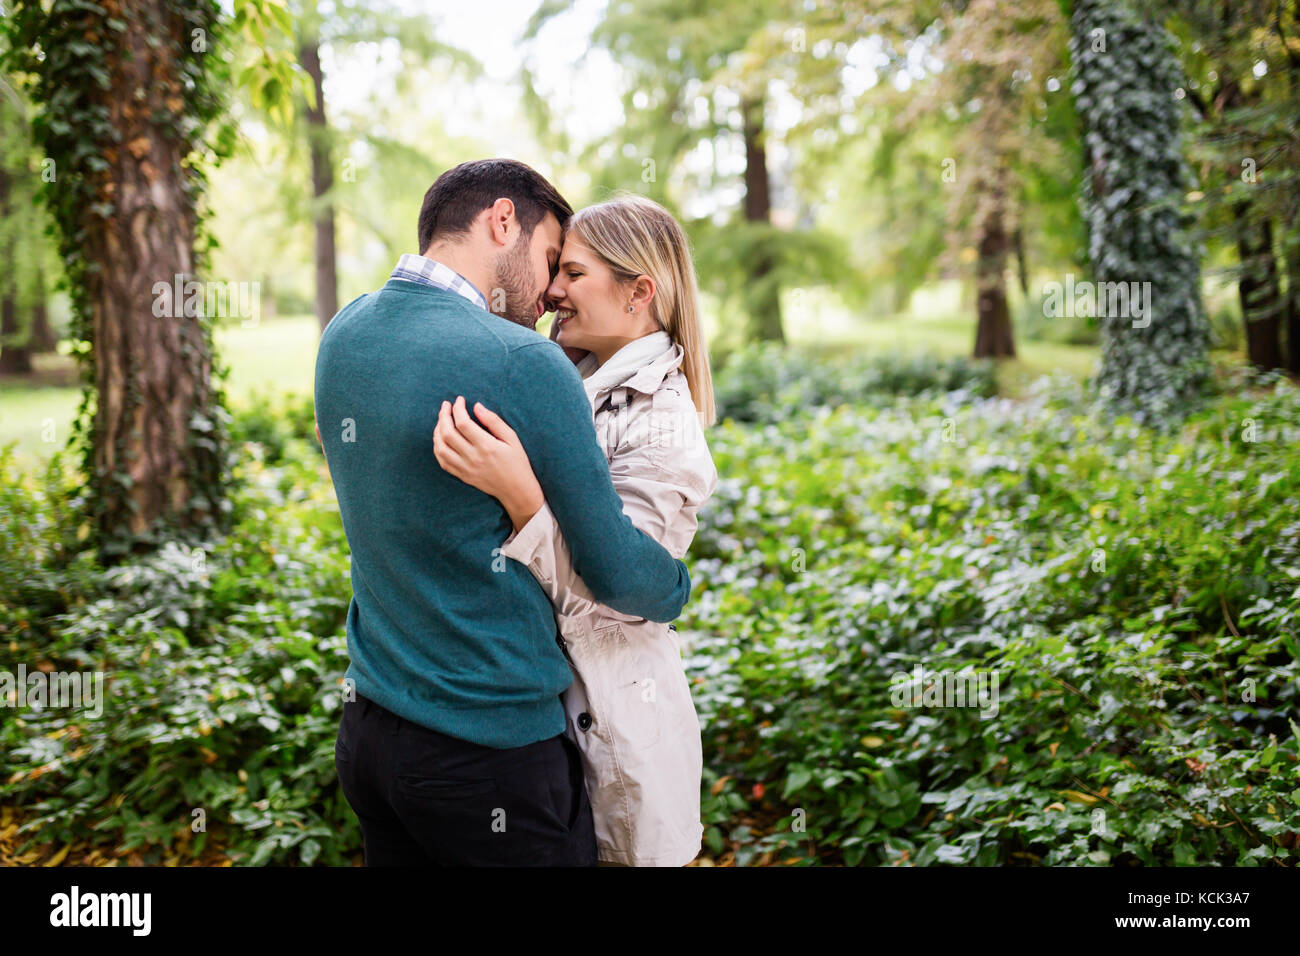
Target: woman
626,310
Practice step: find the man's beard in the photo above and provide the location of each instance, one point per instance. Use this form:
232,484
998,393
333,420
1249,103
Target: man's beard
512,279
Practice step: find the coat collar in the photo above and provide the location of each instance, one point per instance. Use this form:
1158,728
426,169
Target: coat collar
643,376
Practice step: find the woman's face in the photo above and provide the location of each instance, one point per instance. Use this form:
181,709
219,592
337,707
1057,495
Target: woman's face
591,305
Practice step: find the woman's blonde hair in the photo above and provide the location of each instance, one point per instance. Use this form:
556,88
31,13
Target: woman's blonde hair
636,236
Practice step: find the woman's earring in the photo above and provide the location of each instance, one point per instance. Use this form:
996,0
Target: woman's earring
632,309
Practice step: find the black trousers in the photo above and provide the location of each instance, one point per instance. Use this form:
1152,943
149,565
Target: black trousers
427,799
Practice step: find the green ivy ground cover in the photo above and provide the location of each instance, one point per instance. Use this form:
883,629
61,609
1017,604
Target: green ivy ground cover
1134,593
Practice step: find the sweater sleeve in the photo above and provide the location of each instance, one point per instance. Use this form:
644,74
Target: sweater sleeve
621,566
540,546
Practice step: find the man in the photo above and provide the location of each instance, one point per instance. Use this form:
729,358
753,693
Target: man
453,751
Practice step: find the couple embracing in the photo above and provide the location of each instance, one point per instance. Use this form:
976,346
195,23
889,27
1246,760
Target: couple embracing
516,511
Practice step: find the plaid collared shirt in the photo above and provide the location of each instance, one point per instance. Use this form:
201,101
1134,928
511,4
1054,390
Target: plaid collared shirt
415,268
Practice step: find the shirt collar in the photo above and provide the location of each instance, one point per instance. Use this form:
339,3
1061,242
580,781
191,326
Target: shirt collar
415,268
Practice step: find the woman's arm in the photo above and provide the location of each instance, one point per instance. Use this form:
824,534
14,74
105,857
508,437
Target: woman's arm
495,464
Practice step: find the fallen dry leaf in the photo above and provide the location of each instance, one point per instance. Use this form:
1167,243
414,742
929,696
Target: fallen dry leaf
58,857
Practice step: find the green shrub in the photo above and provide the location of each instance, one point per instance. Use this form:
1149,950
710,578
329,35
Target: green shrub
1154,679
221,665
1225,326
767,382
273,422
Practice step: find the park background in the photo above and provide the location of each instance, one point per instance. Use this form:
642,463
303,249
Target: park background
925,463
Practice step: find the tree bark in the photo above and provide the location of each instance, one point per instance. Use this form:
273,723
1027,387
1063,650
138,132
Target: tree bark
765,296
993,333
322,181
154,454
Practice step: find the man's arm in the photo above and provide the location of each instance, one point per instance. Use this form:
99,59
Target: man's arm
624,568
540,546
664,506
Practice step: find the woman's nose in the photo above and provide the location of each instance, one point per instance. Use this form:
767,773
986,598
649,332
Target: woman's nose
556,290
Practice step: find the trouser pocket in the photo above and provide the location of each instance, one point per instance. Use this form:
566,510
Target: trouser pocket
574,794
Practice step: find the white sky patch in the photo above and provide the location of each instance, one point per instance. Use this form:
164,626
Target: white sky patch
583,90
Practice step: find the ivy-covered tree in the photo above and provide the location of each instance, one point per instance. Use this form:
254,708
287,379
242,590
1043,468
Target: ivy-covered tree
125,92
1135,180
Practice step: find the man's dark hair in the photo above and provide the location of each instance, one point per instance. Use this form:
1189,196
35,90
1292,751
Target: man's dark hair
457,197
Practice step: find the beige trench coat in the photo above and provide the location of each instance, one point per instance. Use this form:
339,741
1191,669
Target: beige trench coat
629,709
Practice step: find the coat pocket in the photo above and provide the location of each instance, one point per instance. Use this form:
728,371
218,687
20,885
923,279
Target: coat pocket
628,688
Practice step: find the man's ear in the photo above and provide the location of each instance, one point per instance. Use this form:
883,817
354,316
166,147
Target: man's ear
503,227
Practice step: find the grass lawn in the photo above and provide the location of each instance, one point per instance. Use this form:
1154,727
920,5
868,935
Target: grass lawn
277,355
30,414
939,323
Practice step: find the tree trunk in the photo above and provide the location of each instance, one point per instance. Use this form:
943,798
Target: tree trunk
1258,287
322,181
43,337
1259,291
156,456
765,295
1022,266
15,356
993,334
1293,310
1154,362
14,359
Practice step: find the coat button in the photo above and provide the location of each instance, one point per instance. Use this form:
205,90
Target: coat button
584,721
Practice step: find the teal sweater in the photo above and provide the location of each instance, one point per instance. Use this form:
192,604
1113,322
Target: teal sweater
442,629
